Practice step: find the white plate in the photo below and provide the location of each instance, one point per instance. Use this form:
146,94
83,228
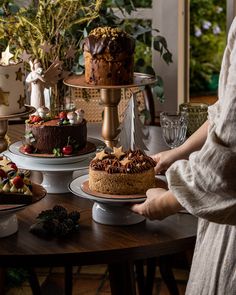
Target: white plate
14,149
75,188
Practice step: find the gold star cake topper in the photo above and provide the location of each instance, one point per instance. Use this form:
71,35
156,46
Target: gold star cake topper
101,155
118,152
6,56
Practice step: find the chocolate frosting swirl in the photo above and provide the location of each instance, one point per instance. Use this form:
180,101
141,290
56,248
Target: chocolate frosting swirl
136,162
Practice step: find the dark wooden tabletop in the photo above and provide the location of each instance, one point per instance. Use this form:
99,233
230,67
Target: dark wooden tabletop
117,246
94,243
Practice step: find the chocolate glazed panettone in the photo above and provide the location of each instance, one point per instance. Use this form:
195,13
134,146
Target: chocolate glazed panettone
109,57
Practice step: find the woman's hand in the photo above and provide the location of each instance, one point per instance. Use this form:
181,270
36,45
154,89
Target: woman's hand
165,159
159,204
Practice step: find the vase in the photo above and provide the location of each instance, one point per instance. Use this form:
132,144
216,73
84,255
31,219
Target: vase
12,89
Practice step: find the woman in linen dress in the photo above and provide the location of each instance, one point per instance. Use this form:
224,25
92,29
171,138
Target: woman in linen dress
201,176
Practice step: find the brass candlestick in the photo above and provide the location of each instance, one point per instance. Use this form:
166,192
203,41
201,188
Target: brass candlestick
110,98
4,125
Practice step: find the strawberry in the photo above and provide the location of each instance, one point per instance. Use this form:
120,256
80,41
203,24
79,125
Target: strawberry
18,181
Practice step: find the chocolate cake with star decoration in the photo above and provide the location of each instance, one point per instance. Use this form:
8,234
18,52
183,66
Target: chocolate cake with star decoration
12,90
119,172
109,57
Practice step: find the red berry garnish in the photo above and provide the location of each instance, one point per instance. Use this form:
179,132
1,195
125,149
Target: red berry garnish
67,150
13,166
3,174
36,119
27,148
63,115
18,181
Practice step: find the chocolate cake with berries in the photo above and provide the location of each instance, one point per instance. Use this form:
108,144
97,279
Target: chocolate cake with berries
121,173
61,135
109,57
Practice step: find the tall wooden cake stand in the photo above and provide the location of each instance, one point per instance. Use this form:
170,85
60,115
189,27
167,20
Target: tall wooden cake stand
110,98
4,125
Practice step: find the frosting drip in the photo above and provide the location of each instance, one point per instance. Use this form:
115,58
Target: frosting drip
110,40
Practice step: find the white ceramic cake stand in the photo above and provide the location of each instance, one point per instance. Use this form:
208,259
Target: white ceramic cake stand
8,223
107,211
8,218
57,172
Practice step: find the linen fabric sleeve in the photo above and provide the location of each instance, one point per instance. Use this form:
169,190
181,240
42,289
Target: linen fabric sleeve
206,184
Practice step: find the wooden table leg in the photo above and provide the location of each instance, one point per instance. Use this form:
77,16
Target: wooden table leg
2,280
122,279
68,280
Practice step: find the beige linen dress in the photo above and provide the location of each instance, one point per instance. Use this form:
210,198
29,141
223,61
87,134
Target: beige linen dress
206,186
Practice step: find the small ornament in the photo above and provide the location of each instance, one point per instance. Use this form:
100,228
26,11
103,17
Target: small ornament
80,115
25,56
37,82
42,112
6,56
46,47
133,133
72,117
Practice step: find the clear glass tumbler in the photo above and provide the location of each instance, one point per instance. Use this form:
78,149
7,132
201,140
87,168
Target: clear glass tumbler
174,128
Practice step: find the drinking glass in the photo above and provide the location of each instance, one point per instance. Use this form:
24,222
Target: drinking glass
174,128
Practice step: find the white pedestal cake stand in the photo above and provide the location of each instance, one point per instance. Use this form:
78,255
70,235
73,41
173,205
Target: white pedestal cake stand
57,172
107,211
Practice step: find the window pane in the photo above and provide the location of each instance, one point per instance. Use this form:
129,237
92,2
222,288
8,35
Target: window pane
207,43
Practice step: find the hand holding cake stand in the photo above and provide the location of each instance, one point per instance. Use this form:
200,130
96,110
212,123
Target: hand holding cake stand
107,210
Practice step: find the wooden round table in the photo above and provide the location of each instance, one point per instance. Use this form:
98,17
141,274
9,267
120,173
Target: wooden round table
117,246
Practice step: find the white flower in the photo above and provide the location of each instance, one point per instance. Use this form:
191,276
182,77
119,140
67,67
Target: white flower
198,32
206,24
216,30
219,9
